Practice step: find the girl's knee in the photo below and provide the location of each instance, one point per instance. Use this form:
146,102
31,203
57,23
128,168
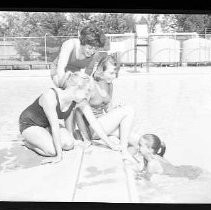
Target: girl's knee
49,151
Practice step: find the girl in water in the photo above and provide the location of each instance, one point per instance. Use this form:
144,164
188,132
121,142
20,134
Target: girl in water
152,150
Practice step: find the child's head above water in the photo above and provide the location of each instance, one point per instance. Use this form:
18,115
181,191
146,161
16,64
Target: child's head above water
150,143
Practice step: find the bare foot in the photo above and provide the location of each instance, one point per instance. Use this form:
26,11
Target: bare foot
86,144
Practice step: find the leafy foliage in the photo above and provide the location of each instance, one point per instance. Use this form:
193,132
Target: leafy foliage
192,23
49,24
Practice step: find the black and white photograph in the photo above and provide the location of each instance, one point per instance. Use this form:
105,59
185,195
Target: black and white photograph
105,107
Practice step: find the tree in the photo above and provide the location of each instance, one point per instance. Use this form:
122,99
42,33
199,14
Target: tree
38,24
153,21
192,23
114,23
168,23
25,48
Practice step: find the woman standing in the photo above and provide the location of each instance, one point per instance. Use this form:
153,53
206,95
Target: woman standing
77,54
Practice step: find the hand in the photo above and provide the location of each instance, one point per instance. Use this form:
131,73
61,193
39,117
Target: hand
115,147
143,175
86,144
55,159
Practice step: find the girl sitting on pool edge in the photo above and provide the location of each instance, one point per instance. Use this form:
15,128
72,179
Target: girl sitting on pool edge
115,121
39,122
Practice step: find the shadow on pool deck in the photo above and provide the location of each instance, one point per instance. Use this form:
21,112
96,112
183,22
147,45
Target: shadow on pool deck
18,156
94,171
87,184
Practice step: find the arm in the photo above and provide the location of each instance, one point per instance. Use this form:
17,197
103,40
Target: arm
69,122
87,111
109,106
66,49
48,102
153,163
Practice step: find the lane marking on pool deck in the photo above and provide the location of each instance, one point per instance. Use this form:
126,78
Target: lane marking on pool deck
131,183
81,157
96,168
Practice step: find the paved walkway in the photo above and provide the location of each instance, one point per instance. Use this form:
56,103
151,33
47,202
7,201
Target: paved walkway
52,182
104,178
176,106
96,174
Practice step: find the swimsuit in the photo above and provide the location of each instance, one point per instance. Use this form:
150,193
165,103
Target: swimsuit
34,114
97,107
75,64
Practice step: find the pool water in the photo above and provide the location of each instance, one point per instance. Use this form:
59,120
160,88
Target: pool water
166,189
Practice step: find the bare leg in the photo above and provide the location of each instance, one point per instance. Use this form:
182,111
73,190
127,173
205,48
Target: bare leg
39,140
83,126
120,118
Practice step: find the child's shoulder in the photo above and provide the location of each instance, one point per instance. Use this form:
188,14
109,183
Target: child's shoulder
155,166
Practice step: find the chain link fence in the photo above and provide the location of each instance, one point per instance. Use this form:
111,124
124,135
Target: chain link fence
170,49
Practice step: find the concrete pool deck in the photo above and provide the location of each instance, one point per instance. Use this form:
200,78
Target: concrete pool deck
50,182
172,103
96,174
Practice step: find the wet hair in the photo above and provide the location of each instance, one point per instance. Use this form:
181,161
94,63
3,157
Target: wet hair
103,65
159,147
93,36
79,79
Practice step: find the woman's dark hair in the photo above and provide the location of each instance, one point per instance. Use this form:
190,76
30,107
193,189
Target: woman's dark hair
93,36
158,146
102,66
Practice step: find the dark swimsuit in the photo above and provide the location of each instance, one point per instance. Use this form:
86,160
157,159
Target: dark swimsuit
34,114
98,111
75,64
